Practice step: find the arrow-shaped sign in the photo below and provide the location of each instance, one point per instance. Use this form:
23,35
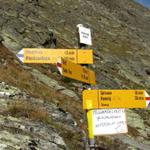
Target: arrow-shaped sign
75,71
93,99
50,56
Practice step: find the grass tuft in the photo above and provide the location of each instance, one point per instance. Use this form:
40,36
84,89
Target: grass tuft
25,109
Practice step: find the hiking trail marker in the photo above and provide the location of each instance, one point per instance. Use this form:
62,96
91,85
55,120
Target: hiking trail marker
94,99
75,71
50,56
147,99
106,122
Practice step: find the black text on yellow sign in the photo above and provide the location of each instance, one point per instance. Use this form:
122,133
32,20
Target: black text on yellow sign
93,99
50,56
77,72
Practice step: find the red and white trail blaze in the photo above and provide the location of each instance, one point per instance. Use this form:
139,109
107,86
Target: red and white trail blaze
147,99
59,65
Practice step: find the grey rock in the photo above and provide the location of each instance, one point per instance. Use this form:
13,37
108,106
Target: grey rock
70,93
53,84
42,137
7,91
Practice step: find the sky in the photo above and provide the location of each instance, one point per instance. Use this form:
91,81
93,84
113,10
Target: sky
146,3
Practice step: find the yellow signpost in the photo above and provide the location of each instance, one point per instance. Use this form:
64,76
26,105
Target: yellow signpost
77,72
90,124
93,99
42,55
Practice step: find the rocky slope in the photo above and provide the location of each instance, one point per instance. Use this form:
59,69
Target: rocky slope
40,109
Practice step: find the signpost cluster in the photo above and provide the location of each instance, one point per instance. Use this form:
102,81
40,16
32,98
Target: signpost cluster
104,108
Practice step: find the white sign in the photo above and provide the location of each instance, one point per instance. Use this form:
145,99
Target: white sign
85,35
109,121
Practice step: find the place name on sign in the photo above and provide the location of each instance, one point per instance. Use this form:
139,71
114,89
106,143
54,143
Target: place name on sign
105,96
28,51
50,56
33,55
115,98
37,58
105,92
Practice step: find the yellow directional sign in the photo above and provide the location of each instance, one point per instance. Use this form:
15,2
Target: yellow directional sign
41,55
77,72
90,124
93,99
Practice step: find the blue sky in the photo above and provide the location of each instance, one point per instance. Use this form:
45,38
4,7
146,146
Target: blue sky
146,3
